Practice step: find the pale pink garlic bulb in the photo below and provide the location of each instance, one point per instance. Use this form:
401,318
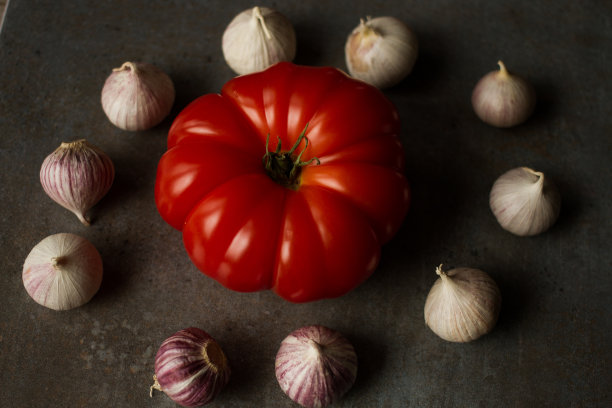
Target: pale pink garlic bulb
503,99
315,366
137,96
63,271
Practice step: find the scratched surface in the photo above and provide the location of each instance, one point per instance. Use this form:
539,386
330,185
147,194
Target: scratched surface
552,344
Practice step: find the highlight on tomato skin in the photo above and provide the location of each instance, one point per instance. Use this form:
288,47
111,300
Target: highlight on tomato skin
290,179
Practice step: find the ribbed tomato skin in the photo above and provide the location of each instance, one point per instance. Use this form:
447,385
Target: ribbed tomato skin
318,239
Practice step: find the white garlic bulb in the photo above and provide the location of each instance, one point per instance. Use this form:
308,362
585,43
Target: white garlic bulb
381,51
63,271
524,201
137,96
258,38
503,99
76,176
462,305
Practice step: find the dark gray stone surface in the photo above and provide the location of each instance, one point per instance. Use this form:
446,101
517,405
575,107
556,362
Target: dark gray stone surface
551,346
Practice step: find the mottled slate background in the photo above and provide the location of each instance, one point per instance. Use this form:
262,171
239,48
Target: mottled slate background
552,344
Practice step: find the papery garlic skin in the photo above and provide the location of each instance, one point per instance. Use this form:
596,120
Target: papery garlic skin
503,99
315,366
258,38
77,175
381,51
525,202
462,305
63,271
190,368
137,96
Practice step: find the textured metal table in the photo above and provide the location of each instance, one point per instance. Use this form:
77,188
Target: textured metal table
551,346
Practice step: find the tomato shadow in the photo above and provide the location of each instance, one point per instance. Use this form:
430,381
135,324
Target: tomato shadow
445,166
431,144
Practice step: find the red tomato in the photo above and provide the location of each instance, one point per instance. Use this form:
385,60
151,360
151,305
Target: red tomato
251,223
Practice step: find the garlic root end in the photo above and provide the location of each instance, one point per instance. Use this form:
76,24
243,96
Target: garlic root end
83,219
155,386
57,261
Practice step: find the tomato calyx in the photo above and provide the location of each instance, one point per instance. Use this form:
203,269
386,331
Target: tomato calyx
285,167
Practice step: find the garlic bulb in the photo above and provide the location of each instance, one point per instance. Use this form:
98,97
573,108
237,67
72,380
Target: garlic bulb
190,368
63,271
315,366
502,99
524,201
381,51
76,176
257,38
462,305
137,96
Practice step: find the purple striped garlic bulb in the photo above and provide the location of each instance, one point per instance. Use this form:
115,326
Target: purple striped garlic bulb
63,271
316,366
190,368
76,176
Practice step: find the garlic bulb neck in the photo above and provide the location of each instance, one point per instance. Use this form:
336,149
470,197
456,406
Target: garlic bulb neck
443,275
315,347
127,66
502,69
537,181
368,29
261,20
77,144
214,357
538,174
